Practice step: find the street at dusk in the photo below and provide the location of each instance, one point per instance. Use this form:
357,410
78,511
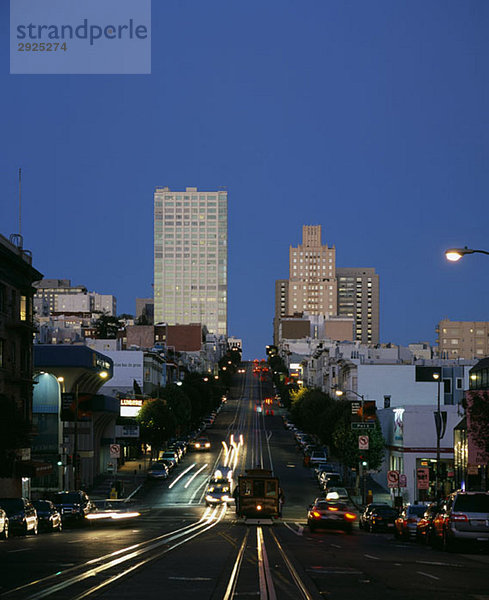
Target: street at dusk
244,328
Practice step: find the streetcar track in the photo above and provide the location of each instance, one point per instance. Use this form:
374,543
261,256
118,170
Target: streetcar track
79,573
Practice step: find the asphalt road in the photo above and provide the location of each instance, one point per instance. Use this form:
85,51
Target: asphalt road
180,549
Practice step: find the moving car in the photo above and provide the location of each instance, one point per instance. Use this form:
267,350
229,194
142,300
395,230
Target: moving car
381,518
3,524
218,492
169,455
49,517
330,514
337,493
158,470
463,517
201,443
73,506
22,515
406,522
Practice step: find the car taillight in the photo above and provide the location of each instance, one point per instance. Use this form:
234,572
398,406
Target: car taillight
316,514
333,508
350,516
458,517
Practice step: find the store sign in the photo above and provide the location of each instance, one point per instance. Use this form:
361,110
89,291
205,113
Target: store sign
127,431
422,478
130,407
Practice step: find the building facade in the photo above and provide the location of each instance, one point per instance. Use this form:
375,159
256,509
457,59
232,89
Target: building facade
358,297
190,258
463,339
312,275
16,329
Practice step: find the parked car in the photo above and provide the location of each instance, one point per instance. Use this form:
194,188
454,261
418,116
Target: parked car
158,470
381,518
48,515
3,524
424,527
22,515
367,510
330,514
170,464
170,455
463,517
74,506
406,522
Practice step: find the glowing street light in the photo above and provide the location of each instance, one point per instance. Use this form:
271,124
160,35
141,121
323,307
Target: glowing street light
455,254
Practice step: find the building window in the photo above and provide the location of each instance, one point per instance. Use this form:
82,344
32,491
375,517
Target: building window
460,383
448,386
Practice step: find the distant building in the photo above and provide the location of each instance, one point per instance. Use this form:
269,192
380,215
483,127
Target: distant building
317,287
50,289
16,371
145,310
358,297
190,258
463,339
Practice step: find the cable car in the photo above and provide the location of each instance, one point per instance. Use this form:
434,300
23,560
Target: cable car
257,498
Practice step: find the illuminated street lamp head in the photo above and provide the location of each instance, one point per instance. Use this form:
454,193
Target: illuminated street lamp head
339,392
455,254
103,374
436,376
60,379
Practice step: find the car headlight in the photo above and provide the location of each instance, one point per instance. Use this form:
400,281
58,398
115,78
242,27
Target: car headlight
207,445
197,445
209,498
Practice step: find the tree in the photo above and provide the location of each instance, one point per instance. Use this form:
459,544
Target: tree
179,404
107,326
157,423
477,404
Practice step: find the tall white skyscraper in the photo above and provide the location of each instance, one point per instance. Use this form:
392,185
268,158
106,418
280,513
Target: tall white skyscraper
190,258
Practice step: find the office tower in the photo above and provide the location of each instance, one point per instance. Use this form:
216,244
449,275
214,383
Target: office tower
463,339
190,258
358,297
312,275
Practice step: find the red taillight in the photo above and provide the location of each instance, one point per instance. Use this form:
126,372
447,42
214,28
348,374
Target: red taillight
350,516
458,517
315,514
334,508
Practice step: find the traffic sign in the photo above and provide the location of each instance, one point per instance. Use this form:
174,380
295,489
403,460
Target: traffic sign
370,425
363,442
392,479
115,451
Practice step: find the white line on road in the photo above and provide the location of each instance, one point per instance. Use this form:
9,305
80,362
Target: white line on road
298,532
21,550
428,575
372,557
335,546
437,564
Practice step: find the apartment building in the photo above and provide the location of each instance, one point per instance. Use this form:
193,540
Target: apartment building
463,339
190,258
358,297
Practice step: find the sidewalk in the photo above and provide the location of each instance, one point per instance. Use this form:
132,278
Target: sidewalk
128,479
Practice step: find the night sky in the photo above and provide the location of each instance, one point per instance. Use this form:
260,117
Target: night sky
368,118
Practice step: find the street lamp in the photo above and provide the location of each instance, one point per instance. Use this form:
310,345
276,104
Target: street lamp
455,254
436,377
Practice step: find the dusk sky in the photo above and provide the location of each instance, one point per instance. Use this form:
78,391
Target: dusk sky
369,118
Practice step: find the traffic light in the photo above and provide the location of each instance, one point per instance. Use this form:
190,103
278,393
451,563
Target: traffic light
60,461
364,463
69,459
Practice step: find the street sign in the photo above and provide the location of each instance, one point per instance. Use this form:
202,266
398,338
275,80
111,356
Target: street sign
402,480
115,451
356,407
370,425
363,442
392,479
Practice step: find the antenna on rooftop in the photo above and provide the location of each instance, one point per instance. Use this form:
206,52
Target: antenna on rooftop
20,201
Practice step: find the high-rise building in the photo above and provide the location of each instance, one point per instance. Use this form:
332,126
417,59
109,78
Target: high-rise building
316,287
49,290
312,275
358,297
463,339
190,258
